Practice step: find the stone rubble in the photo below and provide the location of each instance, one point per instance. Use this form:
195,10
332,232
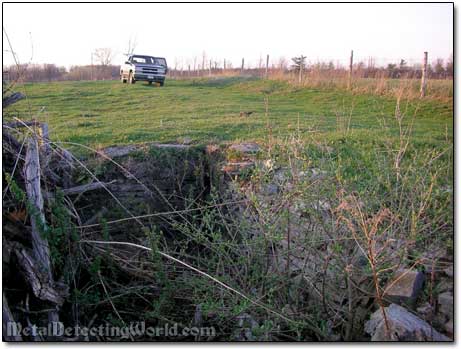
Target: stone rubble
405,286
403,326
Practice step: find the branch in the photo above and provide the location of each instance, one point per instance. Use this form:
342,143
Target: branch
86,187
8,323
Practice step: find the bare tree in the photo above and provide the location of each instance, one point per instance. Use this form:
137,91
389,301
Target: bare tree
195,65
132,43
283,64
104,56
203,62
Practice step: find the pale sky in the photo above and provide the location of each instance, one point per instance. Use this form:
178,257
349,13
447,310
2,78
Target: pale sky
66,34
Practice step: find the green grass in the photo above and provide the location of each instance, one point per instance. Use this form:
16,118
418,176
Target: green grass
104,113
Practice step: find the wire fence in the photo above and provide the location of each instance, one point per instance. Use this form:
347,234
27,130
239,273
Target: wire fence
361,67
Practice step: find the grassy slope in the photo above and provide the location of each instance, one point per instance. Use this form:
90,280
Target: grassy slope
108,112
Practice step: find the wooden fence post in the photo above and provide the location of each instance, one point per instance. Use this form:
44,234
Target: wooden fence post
300,76
243,65
267,66
424,77
351,64
34,194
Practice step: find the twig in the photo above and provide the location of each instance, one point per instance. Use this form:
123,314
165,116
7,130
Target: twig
201,273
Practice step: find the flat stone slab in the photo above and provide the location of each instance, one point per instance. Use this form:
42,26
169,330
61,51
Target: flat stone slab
445,301
236,168
403,326
124,150
405,287
118,151
247,148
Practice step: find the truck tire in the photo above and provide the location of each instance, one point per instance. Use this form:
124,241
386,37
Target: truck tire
131,78
161,83
150,82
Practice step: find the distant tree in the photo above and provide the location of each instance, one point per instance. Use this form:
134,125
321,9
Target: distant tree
52,72
103,56
299,66
403,68
392,70
439,68
282,64
204,59
360,65
449,66
298,63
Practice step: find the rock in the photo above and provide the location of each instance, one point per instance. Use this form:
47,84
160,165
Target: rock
449,271
211,149
303,174
321,205
403,326
445,301
445,285
449,328
281,175
247,148
124,150
331,335
270,189
236,168
318,174
436,252
268,164
118,151
425,310
170,146
362,260
185,140
245,326
405,287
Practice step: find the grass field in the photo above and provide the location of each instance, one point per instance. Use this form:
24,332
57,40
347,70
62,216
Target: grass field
359,127
106,113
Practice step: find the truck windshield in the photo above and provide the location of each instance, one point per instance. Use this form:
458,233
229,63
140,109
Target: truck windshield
160,61
148,60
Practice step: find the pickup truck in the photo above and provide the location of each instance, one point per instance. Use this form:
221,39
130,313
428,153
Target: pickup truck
144,68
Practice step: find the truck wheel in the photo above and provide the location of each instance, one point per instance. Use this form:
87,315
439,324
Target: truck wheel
131,78
162,83
150,82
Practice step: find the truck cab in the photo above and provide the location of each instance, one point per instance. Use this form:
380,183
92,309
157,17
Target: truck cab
144,68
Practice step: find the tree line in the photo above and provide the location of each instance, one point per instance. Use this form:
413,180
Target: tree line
439,69
52,72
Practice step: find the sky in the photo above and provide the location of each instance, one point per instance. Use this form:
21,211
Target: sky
67,34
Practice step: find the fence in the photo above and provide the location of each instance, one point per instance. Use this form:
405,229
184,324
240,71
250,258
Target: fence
345,72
